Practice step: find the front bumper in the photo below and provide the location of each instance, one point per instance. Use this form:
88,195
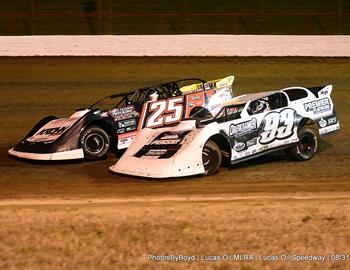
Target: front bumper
159,168
66,155
185,162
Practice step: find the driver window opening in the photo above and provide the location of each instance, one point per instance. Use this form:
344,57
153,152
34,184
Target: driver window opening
272,102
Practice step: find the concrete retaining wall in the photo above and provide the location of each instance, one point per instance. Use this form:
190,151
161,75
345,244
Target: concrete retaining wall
176,45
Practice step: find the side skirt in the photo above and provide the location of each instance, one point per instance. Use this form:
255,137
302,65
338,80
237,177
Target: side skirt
261,153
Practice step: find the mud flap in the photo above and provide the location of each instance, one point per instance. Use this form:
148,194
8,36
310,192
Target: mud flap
328,125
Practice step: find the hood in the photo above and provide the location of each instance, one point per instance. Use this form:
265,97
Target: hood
56,128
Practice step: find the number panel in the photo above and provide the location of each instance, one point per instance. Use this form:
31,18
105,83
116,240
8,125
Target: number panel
176,109
156,119
165,112
278,125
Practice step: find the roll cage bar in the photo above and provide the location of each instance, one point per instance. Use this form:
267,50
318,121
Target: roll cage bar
166,90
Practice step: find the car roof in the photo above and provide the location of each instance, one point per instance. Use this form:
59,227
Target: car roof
143,89
155,86
249,97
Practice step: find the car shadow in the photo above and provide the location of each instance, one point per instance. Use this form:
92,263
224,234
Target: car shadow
324,146
156,180
98,171
46,162
270,158
4,153
277,156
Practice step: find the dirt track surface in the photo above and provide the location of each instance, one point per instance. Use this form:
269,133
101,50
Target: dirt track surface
121,234
35,87
250,207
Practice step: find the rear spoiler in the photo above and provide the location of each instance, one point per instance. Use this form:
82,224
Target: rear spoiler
227,81
324,90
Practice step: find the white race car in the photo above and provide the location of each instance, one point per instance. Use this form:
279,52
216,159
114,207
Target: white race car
246,127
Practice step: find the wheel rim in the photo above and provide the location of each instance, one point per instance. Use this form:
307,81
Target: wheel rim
94,143
307,145
206,157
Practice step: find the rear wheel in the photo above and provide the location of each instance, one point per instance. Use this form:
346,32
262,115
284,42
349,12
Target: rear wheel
306,148
95,143
211,157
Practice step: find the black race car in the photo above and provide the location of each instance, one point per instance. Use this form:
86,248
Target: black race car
110,123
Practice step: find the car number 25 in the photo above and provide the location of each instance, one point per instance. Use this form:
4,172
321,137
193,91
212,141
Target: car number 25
165,112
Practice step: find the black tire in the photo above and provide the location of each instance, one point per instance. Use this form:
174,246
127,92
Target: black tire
211,157
95,143
306,148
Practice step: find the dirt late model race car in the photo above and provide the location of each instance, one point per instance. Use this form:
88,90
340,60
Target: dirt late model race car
114,121
246,127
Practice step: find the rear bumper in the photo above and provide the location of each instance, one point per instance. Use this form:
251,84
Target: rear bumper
66,155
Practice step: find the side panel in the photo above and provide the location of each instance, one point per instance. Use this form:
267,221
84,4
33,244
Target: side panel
328,124
125,121
261,132
320,108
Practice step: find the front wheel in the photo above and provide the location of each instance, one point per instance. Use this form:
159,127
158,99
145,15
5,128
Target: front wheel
95,143
306,148
211,157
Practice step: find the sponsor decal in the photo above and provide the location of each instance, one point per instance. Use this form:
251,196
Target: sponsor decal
123,143
322,123
239,146
240,129
330,129
165,142
127,123
332,121
252,142
167,139
126,138
52,131
264,147
127,135
155,152
318,106
121,130
246,153
164,146
170,136
327,121
130,128
195,97
123,113
225,93
209,85
324,92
